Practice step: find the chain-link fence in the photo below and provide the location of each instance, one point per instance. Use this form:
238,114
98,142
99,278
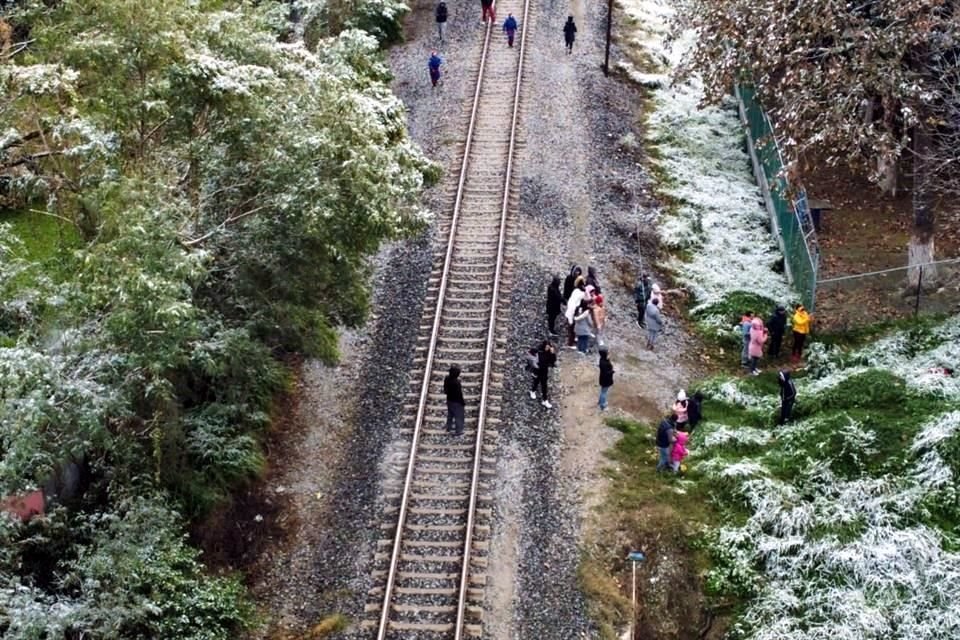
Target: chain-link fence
848,302
788,207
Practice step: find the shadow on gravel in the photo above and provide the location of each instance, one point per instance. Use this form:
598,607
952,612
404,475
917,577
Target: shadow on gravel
253,519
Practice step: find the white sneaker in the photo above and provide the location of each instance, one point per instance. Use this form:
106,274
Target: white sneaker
547,404
755,372
533,395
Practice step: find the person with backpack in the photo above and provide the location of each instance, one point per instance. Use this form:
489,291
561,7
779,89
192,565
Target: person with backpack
510,28
539,362
569,33
606,377
455,403
788,395
434,66
554,305
666,436
641,295
441,15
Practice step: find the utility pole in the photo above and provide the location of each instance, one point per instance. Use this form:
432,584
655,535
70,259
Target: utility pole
634,558
606,57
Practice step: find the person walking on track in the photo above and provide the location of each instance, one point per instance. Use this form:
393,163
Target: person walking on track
441,14
434,65
510,28
487,10
455,403
569,33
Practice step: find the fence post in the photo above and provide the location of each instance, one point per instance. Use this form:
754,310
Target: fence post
916,306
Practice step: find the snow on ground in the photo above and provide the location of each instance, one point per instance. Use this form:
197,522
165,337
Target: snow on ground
719,217
843,557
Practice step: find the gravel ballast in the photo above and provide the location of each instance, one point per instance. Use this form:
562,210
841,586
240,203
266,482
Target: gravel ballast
583,193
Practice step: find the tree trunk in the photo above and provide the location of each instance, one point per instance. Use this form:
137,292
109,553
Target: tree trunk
920,249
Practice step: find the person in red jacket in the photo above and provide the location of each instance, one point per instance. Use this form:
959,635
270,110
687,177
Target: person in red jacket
487,9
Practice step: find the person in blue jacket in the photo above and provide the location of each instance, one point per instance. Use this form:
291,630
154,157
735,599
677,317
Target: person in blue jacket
510,28
434,65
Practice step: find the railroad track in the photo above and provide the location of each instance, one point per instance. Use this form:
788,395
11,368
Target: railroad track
430,565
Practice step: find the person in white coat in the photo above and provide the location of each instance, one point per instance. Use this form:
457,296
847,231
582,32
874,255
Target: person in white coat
573,304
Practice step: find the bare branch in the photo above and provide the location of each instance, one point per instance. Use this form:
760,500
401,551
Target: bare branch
223,225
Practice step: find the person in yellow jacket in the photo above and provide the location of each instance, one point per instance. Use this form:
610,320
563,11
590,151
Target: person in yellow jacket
800,322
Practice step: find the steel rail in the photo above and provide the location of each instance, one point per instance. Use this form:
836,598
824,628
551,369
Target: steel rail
491,340
431,350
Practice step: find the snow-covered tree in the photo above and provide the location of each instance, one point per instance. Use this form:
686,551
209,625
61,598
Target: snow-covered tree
851,82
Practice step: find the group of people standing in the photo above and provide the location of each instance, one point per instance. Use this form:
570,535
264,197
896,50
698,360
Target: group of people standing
755,334
674,431
581,304
487,12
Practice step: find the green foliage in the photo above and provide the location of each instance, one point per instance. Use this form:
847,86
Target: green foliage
135,577
213,195
727,313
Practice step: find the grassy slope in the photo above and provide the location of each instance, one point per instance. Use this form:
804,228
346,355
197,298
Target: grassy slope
784,526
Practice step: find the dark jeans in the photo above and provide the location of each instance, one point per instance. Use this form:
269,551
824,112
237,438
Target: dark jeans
540,381
583,344
641,310
786,408
571,336
455,416
552,321
798,340
754,363
776,339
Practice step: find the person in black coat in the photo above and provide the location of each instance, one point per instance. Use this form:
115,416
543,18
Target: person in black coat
776,326
593,280
554,304
788,395
606,377
441,15
455,402
569,33
546,358
694,410
569,283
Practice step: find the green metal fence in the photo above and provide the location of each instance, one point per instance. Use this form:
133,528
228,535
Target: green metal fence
791,214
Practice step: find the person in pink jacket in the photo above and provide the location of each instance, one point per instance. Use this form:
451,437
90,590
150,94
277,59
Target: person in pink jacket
679,451
758,335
